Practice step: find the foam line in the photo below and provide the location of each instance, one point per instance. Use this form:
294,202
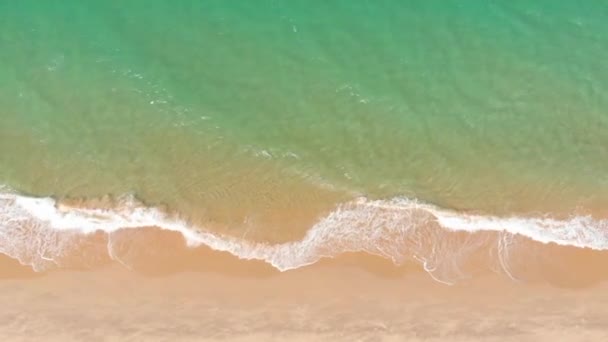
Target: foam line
38,231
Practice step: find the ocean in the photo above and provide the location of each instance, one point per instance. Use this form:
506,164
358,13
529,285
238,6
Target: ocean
292,131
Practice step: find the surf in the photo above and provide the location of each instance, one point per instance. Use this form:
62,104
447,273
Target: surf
40,231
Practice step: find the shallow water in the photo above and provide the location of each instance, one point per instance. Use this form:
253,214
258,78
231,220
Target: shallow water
262,122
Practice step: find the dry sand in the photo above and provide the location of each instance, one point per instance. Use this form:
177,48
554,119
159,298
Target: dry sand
351,298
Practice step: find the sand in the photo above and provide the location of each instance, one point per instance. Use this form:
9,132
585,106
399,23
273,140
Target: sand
351,298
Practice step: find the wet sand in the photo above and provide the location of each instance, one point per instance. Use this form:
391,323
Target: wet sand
203,295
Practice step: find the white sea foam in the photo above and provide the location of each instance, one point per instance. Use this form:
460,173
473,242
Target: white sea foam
40,231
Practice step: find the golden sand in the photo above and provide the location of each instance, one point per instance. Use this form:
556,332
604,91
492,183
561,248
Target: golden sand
202,295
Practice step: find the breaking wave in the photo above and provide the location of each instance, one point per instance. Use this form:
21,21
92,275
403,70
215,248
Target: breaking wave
42,232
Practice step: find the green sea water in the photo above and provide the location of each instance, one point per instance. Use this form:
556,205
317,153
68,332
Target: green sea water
238,108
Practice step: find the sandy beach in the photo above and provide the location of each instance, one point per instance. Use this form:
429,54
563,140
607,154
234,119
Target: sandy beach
351,298
267,170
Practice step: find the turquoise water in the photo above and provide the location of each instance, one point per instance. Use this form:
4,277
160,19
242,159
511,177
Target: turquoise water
277,111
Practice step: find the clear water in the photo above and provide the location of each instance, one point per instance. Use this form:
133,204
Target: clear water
275,111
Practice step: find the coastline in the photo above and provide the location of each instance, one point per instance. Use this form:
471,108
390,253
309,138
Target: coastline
147,283
46,234
303,171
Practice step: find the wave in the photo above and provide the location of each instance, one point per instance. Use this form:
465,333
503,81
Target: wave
41,232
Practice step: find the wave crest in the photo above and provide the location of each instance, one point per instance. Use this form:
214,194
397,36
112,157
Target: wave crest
42,232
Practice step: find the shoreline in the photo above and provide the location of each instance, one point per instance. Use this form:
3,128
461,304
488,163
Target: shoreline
148,284
447,243
458,258
159,253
